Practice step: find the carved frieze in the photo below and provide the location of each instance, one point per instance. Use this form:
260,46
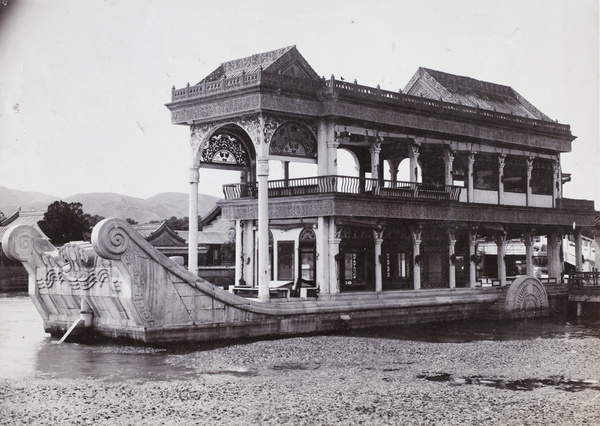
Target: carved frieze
77,265
215,109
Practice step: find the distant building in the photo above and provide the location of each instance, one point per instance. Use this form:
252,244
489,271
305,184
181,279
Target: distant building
216,246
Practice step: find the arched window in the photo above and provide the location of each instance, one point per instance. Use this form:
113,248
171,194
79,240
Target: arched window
307,256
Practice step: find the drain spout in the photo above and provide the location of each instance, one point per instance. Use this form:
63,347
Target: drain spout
70,330
86,315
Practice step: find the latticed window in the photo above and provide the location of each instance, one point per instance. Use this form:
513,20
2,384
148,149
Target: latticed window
285,260
485,172
515,174
542,177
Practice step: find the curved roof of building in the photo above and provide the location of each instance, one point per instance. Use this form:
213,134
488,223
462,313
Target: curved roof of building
468,91
287,61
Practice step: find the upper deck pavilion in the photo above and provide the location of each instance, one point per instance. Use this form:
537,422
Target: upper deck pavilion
432,105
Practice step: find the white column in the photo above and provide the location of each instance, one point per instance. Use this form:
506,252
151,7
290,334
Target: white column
378,238
451,265
448,166
578,251
554,243
501,161
501,244
249,253
322,254
528,237
470,189
193,221
262,173
556,184
413,154
334,250
375,149
550,239
472,255
322,147
332,146
528,182
239,252
416,235
394,164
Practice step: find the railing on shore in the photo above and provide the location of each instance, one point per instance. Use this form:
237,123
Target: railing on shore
344,185
583,279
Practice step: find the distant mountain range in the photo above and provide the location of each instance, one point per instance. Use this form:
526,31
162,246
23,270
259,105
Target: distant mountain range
158,207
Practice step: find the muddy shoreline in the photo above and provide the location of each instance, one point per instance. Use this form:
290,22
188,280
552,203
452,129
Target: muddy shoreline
336,380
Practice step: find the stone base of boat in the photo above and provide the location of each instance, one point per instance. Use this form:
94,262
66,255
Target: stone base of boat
125,289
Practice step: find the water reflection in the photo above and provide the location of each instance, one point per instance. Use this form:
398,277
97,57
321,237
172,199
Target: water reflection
477,330
26,350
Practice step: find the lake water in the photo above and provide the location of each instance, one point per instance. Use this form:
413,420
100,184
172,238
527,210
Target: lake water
27,351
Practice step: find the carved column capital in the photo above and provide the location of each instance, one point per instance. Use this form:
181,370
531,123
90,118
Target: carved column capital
500,238
529,164
416,233
413,151
448,155
452,236
501,160
375,147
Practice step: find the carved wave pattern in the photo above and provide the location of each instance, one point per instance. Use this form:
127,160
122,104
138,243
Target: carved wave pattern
77,265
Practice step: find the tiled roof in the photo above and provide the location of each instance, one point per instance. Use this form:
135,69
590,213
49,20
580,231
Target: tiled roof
468,91
147,229
20,217
207,237
278,60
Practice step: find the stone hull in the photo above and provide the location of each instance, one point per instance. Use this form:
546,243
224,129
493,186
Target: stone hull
133,292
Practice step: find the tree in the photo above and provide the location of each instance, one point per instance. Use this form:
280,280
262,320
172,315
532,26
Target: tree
177,224
131,221
64,222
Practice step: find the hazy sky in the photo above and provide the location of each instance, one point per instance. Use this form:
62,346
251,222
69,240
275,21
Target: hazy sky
83,83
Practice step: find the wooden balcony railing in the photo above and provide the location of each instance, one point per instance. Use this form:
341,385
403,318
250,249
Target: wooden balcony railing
344,185
583,279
